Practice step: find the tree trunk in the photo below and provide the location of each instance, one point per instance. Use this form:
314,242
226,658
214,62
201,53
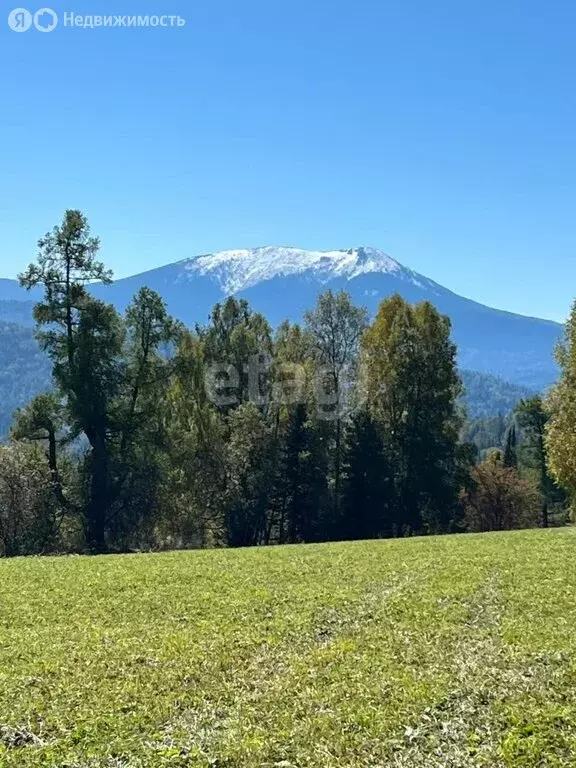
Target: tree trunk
337,455
543,476
545,514
98,501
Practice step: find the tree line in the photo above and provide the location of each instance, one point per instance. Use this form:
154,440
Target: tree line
235,434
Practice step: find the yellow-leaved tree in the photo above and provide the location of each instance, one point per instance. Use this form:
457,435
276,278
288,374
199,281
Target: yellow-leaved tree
561,406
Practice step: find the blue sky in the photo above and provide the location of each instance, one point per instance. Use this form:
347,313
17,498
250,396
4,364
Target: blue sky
443,132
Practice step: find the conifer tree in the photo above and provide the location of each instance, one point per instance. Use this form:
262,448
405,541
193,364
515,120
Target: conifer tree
510,454
109,377
533,419
368,502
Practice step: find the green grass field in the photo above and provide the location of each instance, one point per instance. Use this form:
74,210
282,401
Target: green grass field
449,651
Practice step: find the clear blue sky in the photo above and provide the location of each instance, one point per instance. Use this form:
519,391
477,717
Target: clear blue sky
443,132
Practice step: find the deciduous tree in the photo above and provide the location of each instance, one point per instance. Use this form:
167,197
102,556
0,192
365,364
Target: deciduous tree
412,387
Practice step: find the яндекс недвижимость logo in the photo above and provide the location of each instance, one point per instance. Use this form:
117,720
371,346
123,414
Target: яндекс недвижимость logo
46,20
21,20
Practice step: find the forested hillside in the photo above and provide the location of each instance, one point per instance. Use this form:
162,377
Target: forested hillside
18,312
24,370
486,395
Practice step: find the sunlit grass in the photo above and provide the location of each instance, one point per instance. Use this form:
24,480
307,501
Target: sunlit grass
449,651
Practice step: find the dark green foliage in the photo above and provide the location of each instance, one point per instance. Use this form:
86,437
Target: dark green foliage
510,454
301,493
412,388
237,346
250,461
109,378
368,508
533,418
26,372
486,433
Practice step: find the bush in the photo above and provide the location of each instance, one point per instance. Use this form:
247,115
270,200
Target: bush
28,515
498,499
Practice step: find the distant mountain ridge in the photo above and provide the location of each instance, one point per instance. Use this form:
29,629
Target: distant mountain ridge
283,282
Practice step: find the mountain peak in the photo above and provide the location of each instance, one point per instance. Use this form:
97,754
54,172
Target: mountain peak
236,270
283,282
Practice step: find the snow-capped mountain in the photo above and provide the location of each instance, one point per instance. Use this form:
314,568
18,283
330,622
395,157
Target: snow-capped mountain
283,282
237,270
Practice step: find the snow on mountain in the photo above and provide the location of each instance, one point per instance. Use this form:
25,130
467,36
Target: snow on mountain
237,270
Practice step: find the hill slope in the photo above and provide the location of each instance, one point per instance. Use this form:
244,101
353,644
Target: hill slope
451,651
17,312
487,395
25,371
283,282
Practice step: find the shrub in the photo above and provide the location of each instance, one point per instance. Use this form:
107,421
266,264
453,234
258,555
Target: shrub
28,517
499,499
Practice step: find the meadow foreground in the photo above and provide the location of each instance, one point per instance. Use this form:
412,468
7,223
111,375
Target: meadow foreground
451,651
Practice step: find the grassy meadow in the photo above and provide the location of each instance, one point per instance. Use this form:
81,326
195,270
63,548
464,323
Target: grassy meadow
449,651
